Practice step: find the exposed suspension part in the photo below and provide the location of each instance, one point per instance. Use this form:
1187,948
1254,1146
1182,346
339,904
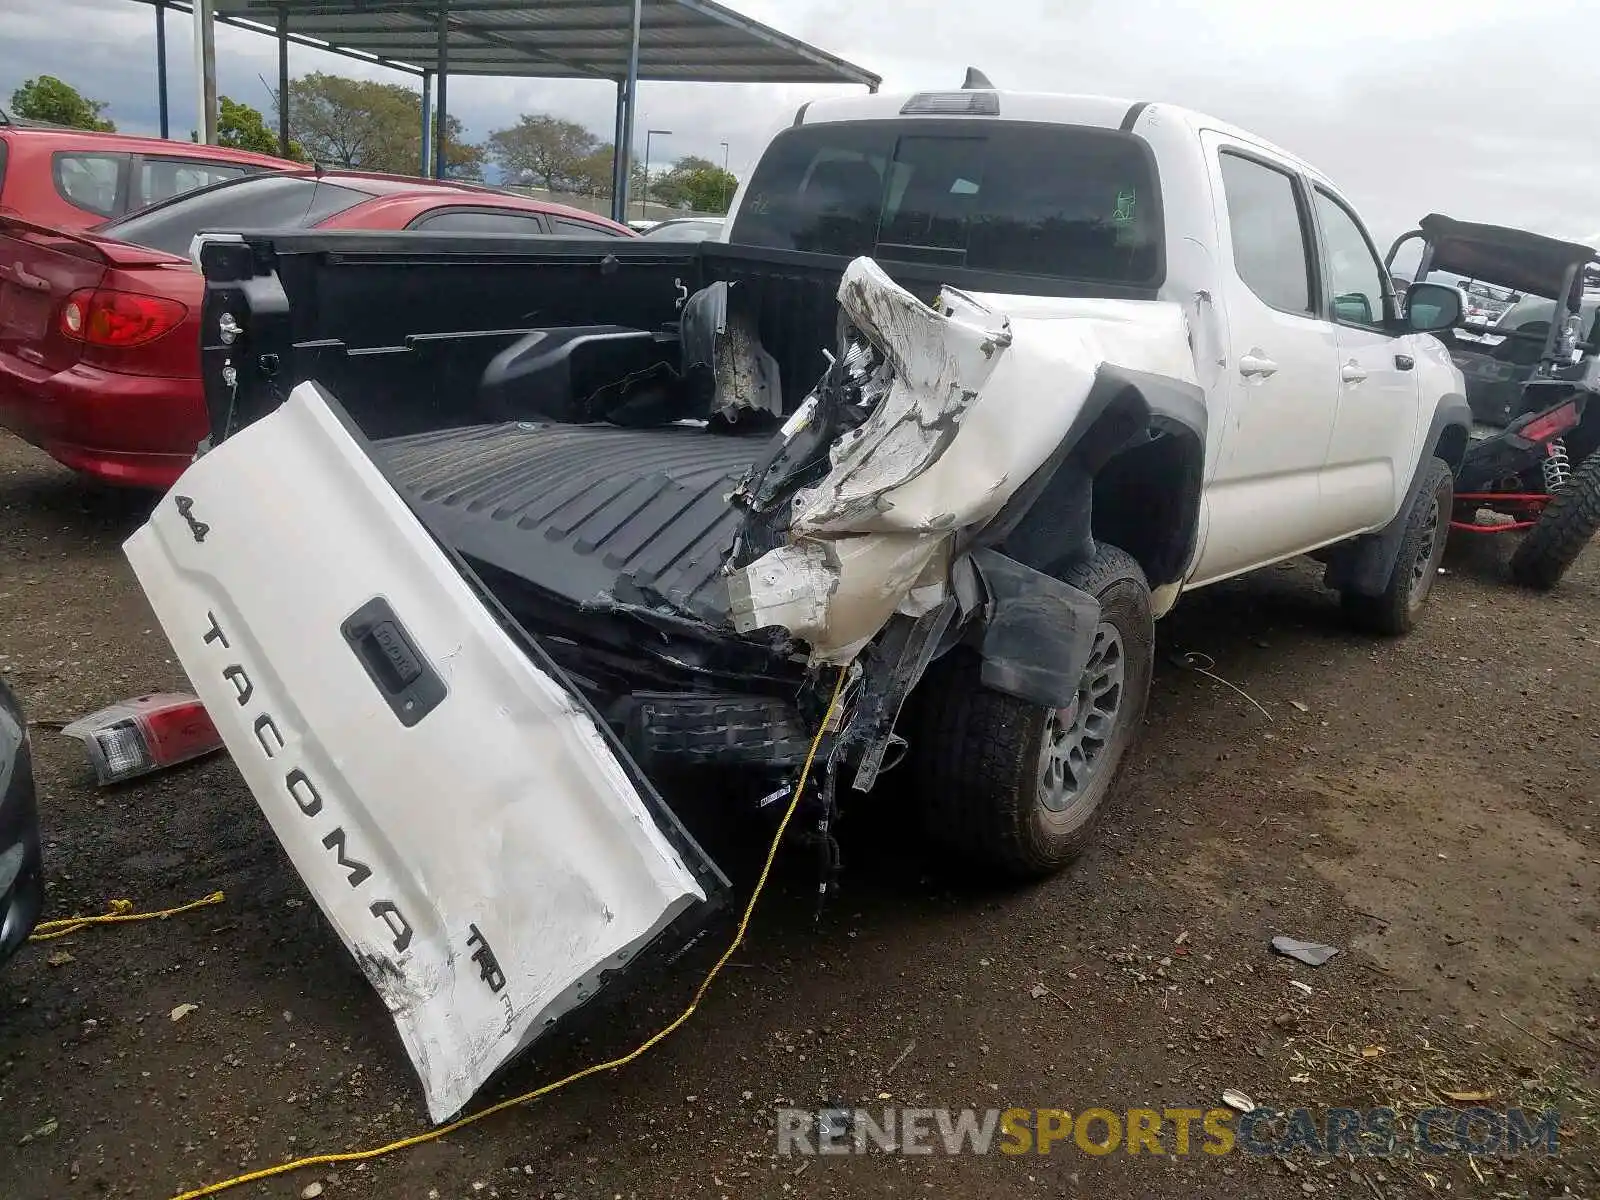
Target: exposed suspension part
1557,466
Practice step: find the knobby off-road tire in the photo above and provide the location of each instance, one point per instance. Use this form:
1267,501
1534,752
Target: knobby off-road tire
1568,525
985,765
1416,565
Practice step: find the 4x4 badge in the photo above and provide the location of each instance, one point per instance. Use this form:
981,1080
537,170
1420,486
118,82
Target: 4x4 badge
196,526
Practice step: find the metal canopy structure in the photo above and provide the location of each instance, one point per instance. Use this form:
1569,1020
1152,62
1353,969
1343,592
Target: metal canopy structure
620,40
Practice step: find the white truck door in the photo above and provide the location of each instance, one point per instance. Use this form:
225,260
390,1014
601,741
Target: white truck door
1378,419
1282,368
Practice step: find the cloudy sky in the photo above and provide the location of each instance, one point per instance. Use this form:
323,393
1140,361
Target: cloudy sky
1482,109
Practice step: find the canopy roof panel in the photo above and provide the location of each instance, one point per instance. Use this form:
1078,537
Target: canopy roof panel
689,40
1528,262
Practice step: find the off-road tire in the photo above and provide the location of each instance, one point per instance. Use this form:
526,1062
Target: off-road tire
976,754
1568,525
1394,611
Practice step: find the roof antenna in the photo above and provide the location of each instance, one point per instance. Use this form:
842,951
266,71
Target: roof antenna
976,80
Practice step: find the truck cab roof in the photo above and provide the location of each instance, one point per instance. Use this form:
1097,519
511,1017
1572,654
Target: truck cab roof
1050,108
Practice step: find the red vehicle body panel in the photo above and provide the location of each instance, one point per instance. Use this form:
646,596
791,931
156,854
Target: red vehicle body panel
30,187
134,416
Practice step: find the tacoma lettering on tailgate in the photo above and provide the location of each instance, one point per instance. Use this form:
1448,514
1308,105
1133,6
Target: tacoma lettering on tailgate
303,791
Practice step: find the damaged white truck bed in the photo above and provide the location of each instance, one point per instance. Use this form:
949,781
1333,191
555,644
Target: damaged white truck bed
450,656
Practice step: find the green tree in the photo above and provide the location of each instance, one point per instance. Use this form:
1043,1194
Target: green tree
243,128
374,126
50,99
697,184
591,174
545,150
463,160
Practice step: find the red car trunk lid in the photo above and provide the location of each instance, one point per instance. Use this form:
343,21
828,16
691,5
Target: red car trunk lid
39,268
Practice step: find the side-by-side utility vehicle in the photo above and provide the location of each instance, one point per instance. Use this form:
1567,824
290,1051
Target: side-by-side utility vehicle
494,534
1532,380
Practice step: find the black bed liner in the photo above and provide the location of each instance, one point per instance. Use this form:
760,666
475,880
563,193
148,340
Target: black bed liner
589,513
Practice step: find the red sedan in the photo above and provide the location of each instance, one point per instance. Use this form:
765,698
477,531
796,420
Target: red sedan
74,179
100,331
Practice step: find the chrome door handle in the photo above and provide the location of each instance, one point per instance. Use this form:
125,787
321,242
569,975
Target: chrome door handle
1351,373
1255,366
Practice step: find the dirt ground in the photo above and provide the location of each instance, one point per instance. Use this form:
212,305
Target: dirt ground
1429,805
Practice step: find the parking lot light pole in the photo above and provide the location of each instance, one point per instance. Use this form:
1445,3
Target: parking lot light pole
644,198
726,199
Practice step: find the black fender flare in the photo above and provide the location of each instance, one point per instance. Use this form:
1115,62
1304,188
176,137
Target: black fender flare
1364,564
1036,632
1125,409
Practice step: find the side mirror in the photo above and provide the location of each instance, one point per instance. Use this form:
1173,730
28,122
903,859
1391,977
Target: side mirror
1431,307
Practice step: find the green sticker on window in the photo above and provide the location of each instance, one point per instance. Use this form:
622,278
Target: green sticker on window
1126,199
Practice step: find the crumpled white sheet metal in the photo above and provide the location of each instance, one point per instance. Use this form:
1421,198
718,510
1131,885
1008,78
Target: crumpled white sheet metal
984,389
485,864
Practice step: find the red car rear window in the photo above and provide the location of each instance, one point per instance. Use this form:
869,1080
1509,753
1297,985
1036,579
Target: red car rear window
257,202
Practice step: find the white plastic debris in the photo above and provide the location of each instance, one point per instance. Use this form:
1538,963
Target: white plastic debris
1235,1099
1313,954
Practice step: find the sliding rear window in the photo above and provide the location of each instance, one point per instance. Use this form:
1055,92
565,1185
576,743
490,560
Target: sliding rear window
1069,201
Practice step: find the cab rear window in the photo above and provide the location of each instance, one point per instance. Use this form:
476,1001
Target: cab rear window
1068,201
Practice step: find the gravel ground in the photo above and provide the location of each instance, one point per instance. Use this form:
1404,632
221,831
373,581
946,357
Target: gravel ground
1429,805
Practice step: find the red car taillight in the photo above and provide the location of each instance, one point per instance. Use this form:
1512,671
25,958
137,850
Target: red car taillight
1552,424
118,320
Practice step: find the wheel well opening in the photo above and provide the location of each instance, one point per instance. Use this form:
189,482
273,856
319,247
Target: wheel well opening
1146,500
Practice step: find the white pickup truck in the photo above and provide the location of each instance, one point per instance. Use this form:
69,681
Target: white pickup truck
493,533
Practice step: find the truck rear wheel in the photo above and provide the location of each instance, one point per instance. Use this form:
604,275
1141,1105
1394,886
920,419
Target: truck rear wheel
1568,524
1017,786
1416,564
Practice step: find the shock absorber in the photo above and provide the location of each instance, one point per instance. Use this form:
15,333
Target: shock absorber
1557,466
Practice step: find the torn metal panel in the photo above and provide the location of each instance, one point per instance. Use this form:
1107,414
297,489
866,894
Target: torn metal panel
969,400
719,336
836,594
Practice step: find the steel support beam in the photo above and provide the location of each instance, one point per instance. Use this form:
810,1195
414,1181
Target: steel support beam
205,70
283,80
627,103
441,136
427,124
161,66
618,192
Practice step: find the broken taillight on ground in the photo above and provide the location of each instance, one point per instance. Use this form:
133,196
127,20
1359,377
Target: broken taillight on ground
145,734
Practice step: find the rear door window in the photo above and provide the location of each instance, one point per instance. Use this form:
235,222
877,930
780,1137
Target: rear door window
158,179
1069,201
1270,247
94,182
267,201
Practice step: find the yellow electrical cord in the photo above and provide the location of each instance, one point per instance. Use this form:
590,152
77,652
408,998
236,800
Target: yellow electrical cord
121,912
433,1135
